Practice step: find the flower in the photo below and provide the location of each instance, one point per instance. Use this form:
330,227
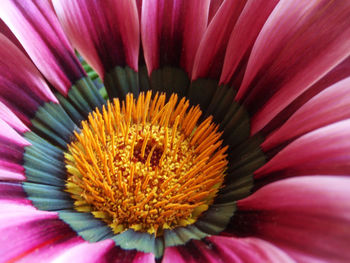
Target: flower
90,174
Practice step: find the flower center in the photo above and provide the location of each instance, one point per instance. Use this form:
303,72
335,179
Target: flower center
145,164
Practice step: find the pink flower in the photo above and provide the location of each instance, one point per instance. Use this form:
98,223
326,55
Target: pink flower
275,76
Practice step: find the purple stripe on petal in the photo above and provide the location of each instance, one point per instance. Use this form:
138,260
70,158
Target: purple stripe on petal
11,153
22,88
106,33
171,32
211,51
13,192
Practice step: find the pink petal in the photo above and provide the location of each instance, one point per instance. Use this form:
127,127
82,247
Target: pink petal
243,35
172,254
171,31
37,28
340,72
308,217
10,118
50,250
7,32
214,7
14,193
329,106
11,136
25,230
180,254
248,250
106,33
226,249
141,257
22,88
323,151
305,40
11,152
211,51
86,252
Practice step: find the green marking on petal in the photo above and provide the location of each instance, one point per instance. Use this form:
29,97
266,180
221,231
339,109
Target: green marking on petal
121,81
216,218
201,92
86,225
170,80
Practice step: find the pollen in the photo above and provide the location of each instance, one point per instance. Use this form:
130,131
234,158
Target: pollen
146,163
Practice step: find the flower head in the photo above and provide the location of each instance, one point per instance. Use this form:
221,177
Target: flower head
180,131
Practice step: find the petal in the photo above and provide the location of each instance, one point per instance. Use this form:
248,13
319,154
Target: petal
329,106
11,153
10,118
226,249
340,72
106,33
323,151
243,35
211,51
308,217
86,252
248,250
48,251
305,40
13,192
7,32
144,258
214,7
37,28
28,230
22,89
171,32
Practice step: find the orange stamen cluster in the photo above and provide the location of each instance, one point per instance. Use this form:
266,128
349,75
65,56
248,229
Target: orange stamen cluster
145,164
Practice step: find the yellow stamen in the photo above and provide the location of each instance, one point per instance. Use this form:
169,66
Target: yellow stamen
145,164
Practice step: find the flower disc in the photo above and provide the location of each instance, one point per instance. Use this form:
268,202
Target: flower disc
145,164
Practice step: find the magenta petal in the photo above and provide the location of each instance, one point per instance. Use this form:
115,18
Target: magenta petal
86,252
226,249
172,254
49,251
340,72
11,153
171,31
141,257
211,51
7,32
323,151
10,118
244,34
37,28
331,105
22,88
306,40
214,7
248,250
28,230
106,33
308,217
13,192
